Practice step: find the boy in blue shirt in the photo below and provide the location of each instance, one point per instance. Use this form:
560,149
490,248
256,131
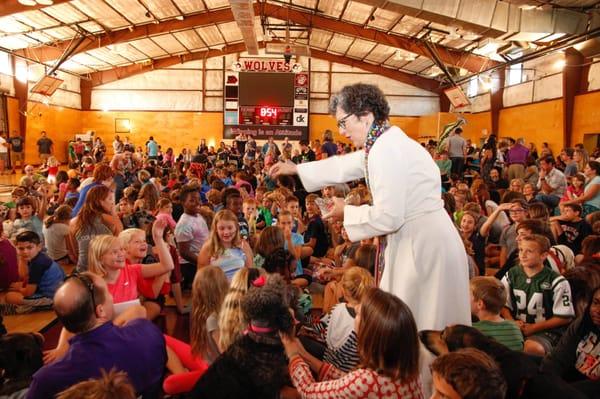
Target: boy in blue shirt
41,277
294,243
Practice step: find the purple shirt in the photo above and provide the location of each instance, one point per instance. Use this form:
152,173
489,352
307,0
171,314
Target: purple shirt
9,271
517,154
137,348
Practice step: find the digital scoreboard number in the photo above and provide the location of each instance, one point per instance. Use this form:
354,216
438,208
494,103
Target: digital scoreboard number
263,101
268,112
267,115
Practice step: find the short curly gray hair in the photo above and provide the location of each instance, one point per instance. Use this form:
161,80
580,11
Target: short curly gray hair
359,99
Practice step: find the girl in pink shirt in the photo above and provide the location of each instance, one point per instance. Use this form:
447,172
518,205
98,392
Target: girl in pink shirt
107,259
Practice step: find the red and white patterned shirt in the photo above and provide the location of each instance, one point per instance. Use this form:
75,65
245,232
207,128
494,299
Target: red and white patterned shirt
358,384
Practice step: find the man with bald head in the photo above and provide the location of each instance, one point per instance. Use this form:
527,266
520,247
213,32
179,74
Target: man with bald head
85,308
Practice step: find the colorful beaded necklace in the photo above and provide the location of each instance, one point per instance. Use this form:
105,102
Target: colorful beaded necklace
373,134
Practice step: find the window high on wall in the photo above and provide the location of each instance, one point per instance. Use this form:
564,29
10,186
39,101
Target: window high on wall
515,72
473,88
5,64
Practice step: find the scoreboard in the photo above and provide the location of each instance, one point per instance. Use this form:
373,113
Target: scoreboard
266,98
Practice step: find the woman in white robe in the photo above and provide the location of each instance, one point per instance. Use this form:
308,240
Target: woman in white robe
425,260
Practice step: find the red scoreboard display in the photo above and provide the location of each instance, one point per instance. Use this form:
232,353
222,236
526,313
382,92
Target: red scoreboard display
266,104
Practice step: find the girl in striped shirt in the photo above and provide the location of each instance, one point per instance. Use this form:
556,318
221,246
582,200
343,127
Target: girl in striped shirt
336,328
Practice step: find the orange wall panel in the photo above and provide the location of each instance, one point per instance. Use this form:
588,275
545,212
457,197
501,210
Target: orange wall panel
586,117
170,129
475,126
537,123
12,109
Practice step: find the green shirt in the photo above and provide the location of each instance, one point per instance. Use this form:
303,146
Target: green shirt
444,165
539,297
506,332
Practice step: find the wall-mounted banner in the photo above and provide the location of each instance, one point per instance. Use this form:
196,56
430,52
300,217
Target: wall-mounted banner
265,65
264,132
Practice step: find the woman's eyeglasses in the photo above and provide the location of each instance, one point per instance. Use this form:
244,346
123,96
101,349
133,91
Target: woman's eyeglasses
87,282
342,122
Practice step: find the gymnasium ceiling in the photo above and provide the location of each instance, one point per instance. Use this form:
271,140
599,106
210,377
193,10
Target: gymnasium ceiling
421,42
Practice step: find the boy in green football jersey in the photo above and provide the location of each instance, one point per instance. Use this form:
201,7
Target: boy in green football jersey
539,299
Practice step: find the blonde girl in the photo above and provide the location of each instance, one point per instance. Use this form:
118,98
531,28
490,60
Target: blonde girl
187,362
53,166
225,247
336,328
107,258
231,319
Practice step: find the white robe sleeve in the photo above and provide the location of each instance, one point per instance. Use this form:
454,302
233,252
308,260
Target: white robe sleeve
388,181
330,171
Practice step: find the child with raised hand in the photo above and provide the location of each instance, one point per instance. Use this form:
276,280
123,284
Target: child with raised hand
488,297
336,328
225,247
539,298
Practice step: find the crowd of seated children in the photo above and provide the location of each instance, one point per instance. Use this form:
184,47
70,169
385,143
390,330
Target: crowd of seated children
268,237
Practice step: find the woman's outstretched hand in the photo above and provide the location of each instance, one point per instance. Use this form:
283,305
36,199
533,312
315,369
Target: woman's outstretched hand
282,169
336,209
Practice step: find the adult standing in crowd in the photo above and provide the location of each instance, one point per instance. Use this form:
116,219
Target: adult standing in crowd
329,148
457,150
3,153
117,145
16,150
152,148
516,158
45,147
407,208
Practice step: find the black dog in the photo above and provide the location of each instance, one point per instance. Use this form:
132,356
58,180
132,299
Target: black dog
20,358
521,371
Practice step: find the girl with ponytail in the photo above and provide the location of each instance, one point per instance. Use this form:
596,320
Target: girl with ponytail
336,328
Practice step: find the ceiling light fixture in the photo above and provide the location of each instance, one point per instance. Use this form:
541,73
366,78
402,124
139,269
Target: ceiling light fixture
36,2
180,17
560,64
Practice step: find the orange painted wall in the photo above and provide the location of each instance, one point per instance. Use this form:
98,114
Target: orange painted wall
170,129
586,117
12,109
537,123
475,125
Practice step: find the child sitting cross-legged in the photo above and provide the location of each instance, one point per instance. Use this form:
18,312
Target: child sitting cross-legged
40,277
336,328
488,297
539,298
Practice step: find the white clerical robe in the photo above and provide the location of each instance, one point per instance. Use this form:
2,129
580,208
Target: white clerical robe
425,260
